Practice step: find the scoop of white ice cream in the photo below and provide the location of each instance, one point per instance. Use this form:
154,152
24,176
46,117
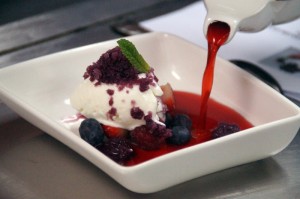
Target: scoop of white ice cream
112,105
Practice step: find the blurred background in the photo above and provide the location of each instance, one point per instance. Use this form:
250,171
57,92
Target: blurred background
13,10
33,28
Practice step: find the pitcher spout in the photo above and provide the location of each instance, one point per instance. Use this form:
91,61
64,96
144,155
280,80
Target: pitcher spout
232,24
250,16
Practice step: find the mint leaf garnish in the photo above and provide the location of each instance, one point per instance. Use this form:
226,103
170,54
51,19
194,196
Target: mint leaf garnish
135,58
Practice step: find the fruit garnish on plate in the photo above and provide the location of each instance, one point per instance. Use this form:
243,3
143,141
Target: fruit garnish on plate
128,116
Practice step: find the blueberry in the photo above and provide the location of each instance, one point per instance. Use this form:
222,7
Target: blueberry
118,149
91,131
224,129
180,135
169,120
182,120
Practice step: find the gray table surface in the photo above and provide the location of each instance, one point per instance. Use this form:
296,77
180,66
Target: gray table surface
35,165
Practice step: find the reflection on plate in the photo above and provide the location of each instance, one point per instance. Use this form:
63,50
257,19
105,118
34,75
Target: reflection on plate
39,90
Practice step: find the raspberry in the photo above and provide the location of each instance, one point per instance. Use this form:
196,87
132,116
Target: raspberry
118,149
224,129
113,132
150,136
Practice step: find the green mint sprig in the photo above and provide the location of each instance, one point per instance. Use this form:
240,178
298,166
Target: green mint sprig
135,58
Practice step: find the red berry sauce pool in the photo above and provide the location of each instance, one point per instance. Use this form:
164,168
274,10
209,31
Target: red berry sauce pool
188,103
204,112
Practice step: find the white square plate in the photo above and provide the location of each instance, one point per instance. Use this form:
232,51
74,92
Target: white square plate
39,90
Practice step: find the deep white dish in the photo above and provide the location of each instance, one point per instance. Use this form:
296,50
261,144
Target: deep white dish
39,90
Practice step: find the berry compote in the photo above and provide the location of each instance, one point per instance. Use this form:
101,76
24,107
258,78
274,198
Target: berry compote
188,103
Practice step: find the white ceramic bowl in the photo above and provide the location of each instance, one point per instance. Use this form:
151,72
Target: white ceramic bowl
39,90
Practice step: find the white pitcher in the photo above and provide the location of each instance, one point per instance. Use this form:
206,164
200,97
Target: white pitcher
250,15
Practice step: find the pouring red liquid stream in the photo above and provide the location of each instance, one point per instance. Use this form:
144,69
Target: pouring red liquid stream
217,35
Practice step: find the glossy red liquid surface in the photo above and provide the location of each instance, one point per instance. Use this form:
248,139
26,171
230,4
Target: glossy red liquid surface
217,35
188,103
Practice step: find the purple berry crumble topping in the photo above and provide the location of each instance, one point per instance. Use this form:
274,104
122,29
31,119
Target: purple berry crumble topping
137,113
111,101
110,92
114,67
111,113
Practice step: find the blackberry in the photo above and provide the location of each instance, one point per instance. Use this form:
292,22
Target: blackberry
224,129
118,149
91,131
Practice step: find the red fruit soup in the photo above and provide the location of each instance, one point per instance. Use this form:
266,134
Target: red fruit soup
188,103
204,112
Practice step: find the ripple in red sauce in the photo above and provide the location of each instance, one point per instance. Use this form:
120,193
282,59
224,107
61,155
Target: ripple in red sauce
188,103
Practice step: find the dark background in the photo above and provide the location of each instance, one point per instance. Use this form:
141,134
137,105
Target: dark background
12,10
